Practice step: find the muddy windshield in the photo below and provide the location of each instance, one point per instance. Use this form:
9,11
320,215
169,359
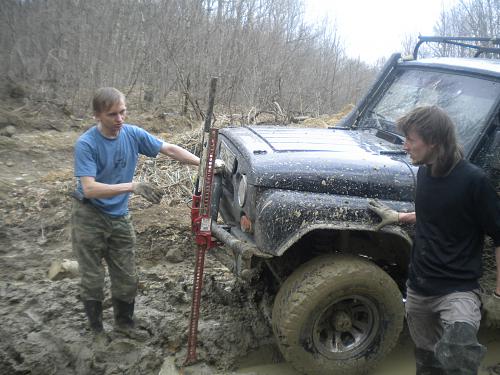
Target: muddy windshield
468,101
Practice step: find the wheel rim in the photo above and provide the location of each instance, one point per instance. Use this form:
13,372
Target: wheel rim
346,326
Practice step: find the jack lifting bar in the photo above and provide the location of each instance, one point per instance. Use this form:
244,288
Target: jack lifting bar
201,220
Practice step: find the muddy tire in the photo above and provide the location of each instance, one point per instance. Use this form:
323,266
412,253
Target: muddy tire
337,315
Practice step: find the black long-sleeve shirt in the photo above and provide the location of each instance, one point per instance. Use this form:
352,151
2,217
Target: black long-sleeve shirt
453,215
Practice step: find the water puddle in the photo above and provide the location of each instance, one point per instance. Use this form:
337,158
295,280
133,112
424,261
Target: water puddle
400,362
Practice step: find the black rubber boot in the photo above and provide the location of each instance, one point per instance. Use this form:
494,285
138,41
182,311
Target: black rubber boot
124,313
427,363
124,320
93,310
459,351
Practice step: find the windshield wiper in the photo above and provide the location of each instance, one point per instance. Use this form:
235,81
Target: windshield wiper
389,136
382,129
377,116
373,120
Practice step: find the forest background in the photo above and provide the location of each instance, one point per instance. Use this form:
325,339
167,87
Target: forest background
267,57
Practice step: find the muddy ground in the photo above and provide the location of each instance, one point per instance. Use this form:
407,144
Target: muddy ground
43,329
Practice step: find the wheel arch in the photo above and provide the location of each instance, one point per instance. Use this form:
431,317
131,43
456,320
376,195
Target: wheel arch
389,248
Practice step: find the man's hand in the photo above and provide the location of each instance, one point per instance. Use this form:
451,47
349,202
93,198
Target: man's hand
387,214
151,193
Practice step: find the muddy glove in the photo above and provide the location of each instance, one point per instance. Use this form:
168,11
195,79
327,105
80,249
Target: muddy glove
151,193
219,166
387,214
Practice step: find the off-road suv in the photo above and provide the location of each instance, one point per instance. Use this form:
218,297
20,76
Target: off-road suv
294,206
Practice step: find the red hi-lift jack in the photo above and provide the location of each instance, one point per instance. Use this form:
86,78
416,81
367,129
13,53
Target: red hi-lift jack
201,221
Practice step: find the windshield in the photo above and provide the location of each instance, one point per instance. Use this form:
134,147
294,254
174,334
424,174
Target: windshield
467,100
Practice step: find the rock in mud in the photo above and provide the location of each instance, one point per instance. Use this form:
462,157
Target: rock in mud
63,269
174,255
8,131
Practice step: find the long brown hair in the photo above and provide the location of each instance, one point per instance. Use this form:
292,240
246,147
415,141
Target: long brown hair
435,127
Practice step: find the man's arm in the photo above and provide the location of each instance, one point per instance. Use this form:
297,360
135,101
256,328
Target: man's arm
390,216
180,154
407,217
93,189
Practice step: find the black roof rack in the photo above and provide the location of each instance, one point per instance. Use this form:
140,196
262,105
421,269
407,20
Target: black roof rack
460,41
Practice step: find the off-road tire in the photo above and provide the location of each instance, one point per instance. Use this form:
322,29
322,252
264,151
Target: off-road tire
316,306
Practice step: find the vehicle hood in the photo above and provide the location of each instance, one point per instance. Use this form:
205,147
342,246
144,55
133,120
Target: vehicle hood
333,161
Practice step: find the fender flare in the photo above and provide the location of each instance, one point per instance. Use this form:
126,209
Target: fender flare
344,226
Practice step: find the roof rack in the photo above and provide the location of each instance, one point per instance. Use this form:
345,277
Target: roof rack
459,41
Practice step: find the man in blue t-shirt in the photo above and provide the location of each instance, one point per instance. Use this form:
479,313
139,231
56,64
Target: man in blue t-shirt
105,161
455,207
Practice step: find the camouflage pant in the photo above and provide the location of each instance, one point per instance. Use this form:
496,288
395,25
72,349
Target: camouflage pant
445,327
427,316
97,236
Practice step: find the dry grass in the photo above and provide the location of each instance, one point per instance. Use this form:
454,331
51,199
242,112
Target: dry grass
327,121
175,179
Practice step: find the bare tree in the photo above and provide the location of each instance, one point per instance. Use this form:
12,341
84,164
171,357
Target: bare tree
265,54
478,18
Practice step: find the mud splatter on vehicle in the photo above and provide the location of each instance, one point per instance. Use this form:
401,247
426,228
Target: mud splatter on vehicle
293,203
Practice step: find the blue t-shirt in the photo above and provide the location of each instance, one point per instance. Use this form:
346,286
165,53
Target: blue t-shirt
112,161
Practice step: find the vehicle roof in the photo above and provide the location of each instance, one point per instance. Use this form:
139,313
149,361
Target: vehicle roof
476,65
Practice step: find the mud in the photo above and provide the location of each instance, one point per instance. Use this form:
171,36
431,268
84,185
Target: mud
399,362
43,329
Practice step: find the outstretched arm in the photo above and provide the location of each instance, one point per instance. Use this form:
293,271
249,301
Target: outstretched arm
180,154
407,217
390,216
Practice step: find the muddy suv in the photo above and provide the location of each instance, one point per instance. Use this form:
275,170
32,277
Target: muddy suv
294,206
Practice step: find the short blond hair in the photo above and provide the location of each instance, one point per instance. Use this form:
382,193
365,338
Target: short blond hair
105,98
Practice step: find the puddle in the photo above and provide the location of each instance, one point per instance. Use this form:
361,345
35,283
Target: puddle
400,362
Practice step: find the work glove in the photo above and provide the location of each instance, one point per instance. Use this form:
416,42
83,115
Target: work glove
219,166
387,214
152,193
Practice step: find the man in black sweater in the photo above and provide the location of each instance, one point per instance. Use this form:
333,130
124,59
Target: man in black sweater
455,206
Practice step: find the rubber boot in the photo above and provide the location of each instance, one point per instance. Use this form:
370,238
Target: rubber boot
458,349
427,363
124,320
93,310
124,313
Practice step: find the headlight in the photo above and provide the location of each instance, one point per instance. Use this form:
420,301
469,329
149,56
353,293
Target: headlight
228,157
242,190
